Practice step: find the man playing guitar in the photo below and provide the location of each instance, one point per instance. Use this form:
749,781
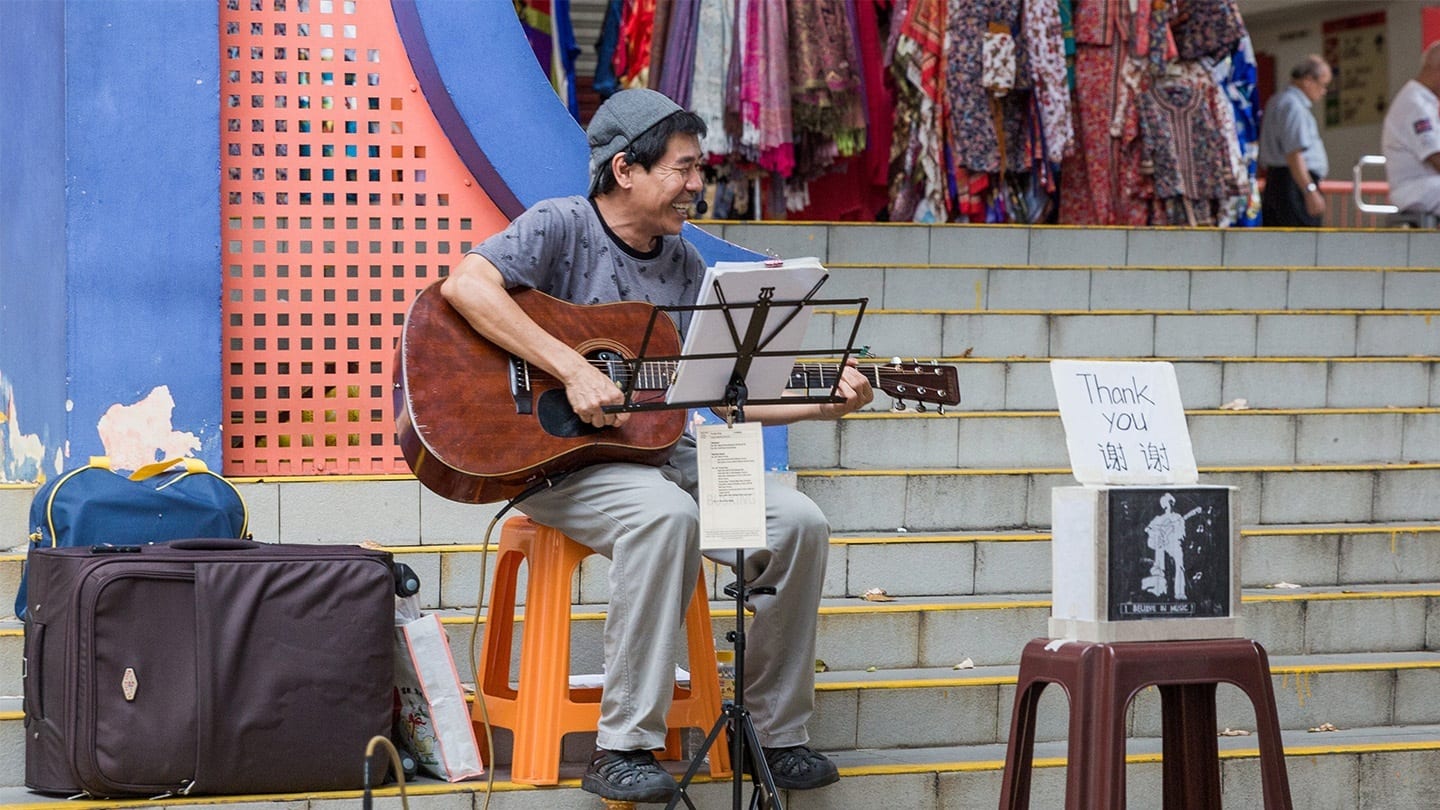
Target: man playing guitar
623,243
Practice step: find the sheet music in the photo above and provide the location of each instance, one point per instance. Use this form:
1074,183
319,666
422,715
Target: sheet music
732,486
741,283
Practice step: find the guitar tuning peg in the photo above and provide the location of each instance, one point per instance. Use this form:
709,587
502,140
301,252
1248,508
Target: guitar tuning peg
940,409
898,405
920,407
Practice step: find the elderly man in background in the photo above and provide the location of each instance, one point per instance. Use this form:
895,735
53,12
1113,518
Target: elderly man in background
1410,139
1292,152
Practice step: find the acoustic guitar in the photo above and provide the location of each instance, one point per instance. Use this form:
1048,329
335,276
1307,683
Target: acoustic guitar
479,425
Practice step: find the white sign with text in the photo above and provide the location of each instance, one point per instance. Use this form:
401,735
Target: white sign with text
732,486
1124,423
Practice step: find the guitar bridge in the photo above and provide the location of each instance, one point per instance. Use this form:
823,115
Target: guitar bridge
520,389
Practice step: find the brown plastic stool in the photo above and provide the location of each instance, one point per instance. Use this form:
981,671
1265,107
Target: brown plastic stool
543,708
1101,679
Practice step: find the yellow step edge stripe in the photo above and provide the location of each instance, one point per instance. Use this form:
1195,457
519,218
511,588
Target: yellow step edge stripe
1256,468
1394,532
1197,313
954,682
929,607
911,414
1339,749
1132,268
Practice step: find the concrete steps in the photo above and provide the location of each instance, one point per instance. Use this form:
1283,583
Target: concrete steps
1349,769
1331,340
966,439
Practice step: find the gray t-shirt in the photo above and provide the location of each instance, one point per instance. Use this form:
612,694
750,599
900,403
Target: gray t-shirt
563,248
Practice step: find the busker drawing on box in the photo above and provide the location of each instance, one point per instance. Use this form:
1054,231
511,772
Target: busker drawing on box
1166,534
622,243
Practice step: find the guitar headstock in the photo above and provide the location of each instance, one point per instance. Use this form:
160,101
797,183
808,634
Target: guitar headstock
920,383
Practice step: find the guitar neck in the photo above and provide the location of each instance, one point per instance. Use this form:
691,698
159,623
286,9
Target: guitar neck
657,376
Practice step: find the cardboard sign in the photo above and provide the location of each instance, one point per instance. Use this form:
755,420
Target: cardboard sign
1124,423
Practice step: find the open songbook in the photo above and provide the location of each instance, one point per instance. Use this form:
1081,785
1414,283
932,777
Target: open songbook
717,333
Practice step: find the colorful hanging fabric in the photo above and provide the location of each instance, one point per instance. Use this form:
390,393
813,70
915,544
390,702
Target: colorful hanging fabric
1103,181
918,185
1186,145
1238,79
764,95
715,32
606,82
981,120
1045,40
825,75
677,69
632,58
659,30
551,35
1067,35
1206,28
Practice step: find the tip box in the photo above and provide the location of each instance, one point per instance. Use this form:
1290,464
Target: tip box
1144,563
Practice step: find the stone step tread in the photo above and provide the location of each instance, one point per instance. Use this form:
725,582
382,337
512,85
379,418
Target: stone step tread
1418,528
853,764
12,627
11,707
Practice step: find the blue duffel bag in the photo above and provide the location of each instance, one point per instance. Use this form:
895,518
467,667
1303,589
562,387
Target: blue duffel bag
167,500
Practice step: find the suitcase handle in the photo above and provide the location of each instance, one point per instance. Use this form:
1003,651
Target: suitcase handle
213,544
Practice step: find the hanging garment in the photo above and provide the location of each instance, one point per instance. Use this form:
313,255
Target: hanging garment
551,35
825,77
677,69
1237,78
982,121
606,82
1101,181
1044,39
632,59
1186,145
917,190
715,32
1206,28
764,96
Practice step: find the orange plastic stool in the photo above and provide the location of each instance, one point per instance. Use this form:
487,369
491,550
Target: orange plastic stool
543,708
1101,679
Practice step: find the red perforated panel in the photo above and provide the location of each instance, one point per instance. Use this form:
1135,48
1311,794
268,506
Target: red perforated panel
341,199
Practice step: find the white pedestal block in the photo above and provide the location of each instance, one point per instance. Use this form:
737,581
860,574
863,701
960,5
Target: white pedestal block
1147,563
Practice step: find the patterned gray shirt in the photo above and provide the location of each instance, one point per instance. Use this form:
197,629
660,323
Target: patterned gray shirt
562,247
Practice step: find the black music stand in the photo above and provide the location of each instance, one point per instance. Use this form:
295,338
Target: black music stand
767,321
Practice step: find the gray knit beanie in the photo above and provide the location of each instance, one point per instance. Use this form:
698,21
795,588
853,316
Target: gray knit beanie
623,117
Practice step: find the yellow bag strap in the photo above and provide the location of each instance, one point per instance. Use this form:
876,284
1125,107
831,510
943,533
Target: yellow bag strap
192,465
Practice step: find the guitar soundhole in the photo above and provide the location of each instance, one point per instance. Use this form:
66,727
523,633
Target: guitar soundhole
558,419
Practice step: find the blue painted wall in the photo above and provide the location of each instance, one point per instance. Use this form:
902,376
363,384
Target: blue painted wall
32,234
110,254
111,244
493,99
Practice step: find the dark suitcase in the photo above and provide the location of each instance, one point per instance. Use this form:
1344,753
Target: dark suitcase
206,666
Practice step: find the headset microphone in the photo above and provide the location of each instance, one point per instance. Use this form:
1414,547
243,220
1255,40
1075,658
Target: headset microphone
701,207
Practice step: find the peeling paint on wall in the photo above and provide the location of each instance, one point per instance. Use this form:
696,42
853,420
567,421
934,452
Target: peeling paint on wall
22,455
138,434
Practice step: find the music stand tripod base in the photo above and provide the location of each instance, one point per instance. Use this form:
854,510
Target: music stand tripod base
746,755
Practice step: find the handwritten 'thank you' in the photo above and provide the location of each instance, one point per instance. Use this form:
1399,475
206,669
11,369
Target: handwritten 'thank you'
1124,423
